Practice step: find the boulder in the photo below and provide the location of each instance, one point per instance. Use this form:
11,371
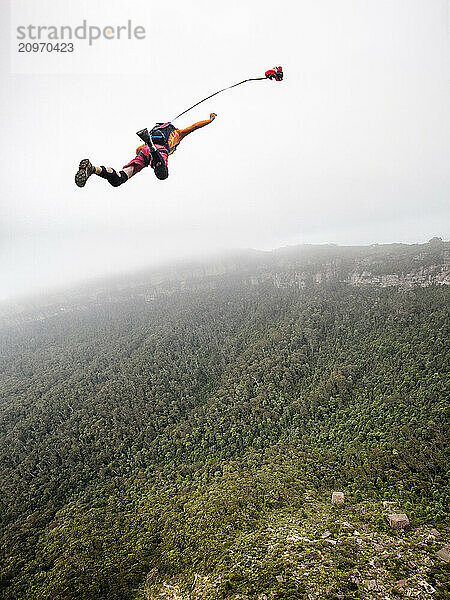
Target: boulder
379,548
444,554
337,498
371,585
428,588
398,520
435,533
152,576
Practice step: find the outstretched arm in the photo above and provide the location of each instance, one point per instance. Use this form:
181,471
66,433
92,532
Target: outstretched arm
184,132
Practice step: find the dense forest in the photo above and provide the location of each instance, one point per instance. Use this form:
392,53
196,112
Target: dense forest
141,438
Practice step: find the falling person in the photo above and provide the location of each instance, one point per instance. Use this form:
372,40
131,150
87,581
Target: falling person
160,142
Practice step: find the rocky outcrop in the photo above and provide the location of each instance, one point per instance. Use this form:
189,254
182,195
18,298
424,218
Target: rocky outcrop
323,554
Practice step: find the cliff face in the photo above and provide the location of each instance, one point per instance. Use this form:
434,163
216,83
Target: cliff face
399,266
394,265
361,275
423,277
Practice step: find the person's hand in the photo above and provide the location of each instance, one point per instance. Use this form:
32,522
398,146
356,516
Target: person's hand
212,116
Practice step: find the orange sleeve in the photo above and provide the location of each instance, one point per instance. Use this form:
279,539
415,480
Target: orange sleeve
184,132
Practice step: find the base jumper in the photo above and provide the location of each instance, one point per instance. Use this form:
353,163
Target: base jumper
160,142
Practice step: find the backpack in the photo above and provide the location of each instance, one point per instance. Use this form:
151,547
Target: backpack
160,134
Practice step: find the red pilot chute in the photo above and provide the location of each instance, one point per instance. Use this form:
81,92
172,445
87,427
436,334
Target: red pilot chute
275,73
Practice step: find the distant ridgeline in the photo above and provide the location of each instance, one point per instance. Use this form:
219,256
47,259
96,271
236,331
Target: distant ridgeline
401,266
178,434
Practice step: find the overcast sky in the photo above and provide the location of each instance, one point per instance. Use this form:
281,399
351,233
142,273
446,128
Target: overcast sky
352,147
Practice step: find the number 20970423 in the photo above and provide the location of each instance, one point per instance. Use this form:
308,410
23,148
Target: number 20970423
45,47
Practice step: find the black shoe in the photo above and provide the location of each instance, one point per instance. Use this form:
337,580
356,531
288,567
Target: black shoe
144,135
158,163
85,170
161,170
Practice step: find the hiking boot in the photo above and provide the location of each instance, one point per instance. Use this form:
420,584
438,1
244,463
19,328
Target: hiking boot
85,170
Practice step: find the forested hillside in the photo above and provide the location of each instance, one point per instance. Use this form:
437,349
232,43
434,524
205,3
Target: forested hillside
147,437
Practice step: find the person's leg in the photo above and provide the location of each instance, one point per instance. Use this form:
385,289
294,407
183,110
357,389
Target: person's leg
129,171
160,162
86,169
111,175
142,159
